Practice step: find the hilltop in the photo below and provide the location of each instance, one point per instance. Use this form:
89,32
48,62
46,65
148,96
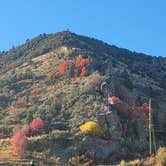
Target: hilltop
32,85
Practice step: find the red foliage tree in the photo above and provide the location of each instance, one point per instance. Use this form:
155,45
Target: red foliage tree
70,69
36,125
83,72
63,67
81,61
19,142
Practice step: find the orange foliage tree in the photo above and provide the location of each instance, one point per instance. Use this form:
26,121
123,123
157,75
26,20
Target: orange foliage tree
19,142
71,68
74,69
81,61
80,64
114,100
36,125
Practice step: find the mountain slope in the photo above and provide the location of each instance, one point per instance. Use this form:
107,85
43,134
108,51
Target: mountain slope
30,87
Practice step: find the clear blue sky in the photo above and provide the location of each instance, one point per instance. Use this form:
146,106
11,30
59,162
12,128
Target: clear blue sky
139,25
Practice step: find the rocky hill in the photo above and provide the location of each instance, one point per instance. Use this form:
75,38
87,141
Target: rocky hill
32,86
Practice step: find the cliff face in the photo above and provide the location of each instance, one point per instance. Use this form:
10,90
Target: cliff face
30,87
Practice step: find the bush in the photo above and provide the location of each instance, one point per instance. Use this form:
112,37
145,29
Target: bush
80,161
92,128
161,157
59,134
92,83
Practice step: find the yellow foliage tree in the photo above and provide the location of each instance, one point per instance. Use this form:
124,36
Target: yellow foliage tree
92,128
161,157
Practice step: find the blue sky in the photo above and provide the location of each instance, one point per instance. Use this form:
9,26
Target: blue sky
139,25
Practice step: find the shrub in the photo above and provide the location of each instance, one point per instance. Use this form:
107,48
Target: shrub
122,163
34,91
92,83
161,157
92,128
59,134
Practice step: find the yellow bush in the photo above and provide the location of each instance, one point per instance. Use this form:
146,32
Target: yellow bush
92,127
161,157
122,163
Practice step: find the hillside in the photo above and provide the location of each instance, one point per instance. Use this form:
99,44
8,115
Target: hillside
32,85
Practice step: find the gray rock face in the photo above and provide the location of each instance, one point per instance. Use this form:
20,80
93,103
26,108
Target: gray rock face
98,148
111,123
94,147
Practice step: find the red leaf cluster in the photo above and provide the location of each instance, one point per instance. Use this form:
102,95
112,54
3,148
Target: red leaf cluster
36,125
19,142
34,91
114,100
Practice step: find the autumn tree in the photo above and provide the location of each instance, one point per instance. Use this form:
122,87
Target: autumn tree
80,64
19,142
36,125
83,72
81,61
63,67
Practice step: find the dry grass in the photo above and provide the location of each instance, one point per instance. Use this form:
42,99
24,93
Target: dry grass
6,151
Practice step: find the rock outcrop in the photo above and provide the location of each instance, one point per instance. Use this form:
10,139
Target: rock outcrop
111,123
